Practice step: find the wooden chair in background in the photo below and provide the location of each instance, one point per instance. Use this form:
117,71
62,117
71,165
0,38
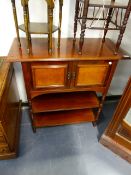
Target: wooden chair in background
38,28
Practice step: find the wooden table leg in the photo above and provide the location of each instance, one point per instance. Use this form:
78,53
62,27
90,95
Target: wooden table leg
76,18
50,26
60,21
109,17
16,21
26,29
28,18
122,30
26,22
83,26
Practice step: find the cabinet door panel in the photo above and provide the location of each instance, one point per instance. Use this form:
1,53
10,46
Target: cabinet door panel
91,74
49,75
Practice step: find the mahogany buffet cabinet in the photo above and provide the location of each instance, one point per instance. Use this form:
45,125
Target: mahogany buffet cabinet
10,112
63,88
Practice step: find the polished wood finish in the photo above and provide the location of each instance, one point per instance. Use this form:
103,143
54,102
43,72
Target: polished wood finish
89,74
109,17
117,137
60,118
10,112
70,74
64,101
66,81
112,7
93,49
56,73
38,28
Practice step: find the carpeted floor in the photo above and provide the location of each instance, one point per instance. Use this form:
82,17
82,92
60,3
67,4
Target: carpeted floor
65,150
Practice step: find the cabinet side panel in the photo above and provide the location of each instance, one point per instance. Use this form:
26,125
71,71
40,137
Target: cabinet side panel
10,116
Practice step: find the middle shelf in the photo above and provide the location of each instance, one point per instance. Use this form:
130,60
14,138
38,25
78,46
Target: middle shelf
63,118
64,101
38,28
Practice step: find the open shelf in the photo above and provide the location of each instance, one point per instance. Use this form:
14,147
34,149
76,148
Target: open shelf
64,101
63,118
38,28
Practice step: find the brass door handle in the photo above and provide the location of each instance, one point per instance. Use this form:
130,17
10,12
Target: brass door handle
68,75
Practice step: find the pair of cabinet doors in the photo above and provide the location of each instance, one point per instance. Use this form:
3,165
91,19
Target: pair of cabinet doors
70,74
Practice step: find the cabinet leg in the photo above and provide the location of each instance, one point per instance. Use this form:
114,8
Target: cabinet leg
31,118
32,124
34,129
94,123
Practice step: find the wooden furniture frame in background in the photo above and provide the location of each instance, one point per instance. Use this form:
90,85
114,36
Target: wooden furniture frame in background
38,28
113,10
10,112
116,137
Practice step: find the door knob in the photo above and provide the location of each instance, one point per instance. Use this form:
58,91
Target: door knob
68,75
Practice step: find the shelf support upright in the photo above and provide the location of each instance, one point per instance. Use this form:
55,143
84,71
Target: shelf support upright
76,18
28,19
83,26
26,23
16,21
60,21
123,27
108,20
113,68
50,24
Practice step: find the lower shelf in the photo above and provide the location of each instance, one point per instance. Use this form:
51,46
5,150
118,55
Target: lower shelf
63,118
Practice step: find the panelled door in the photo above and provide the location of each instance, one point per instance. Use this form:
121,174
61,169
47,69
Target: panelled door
91,73
70,74
50,74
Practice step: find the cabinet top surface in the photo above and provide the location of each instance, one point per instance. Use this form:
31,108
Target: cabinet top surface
93,49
